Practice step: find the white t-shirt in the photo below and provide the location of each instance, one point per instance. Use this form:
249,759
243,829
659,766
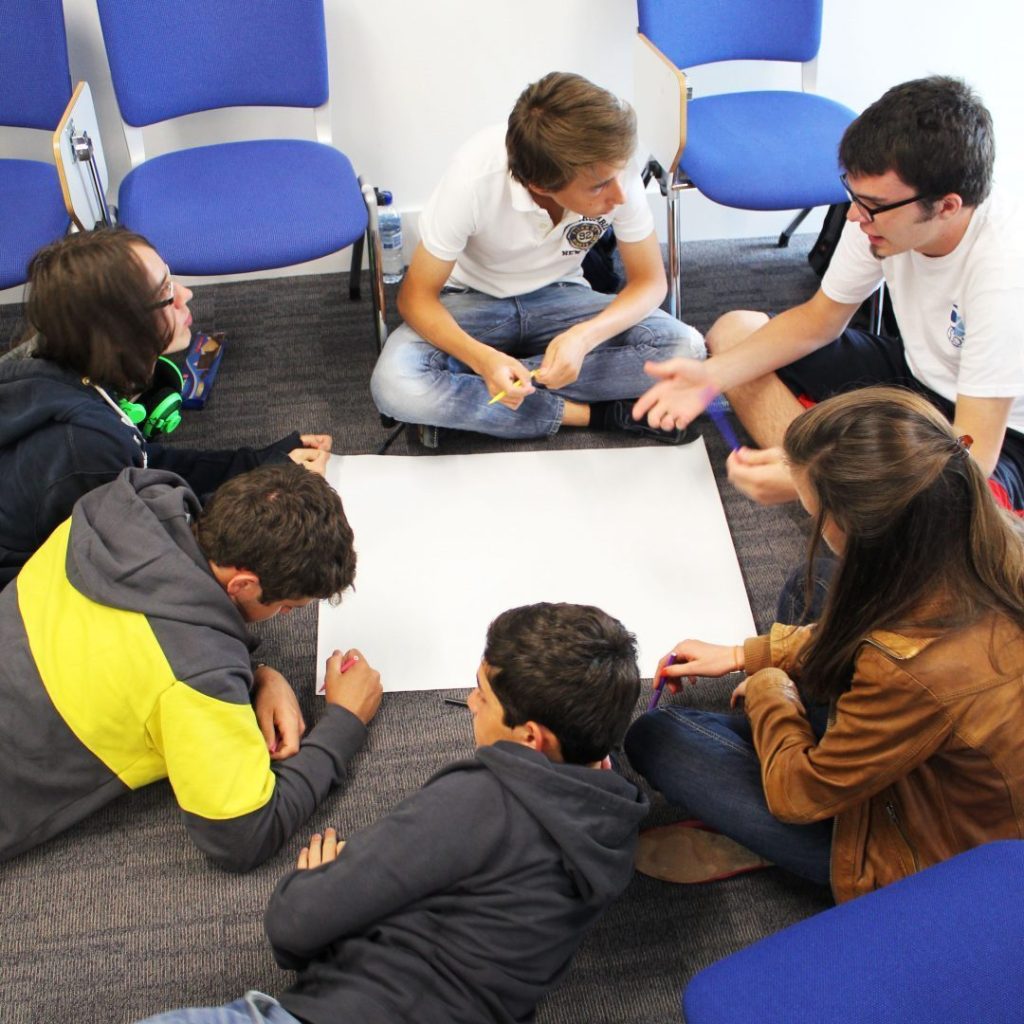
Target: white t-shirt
961,316
502,242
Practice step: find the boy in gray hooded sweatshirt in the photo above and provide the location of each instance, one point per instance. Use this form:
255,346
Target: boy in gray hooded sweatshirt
467,902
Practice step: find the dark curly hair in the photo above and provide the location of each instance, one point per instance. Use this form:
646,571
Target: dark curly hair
287,526
569,667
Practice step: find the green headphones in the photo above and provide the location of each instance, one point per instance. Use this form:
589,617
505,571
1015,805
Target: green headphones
158,409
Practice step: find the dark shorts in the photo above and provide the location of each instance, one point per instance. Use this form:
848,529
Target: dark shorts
858,359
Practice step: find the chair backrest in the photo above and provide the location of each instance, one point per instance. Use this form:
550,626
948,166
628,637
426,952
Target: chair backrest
691,32
35,84
174,57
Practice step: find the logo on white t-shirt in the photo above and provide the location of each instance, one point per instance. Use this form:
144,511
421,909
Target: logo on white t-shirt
584,233
956,330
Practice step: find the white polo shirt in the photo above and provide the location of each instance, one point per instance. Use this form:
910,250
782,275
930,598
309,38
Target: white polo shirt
502,242
961,316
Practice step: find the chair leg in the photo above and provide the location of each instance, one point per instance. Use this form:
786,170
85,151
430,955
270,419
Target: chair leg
427,436
878,309
393,436
793,225
374,258
675,285
355,270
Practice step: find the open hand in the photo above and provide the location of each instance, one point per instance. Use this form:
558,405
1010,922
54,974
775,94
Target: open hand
321,850
682,393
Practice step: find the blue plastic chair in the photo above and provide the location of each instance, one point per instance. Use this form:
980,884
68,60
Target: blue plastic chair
940,946
35,87
765,150
235,207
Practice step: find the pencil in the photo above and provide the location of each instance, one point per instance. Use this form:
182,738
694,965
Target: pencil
518,384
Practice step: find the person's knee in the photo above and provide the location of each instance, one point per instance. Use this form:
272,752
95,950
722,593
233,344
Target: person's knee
642,738
732,328
669,337
400,381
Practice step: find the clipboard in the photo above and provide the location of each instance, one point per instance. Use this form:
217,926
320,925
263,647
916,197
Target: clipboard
81,167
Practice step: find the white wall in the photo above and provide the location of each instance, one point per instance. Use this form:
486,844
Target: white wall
411,80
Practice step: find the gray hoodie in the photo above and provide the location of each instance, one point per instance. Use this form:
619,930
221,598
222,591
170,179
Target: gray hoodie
126,662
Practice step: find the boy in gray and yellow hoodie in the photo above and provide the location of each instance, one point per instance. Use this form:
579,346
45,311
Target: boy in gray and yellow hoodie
124,659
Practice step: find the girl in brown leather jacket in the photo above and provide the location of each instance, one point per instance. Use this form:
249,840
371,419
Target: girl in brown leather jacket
918,657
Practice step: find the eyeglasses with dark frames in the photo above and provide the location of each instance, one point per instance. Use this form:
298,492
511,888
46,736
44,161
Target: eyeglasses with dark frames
168,290
871,212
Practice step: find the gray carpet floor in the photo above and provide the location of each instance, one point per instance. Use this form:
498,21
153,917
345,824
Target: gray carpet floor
121,917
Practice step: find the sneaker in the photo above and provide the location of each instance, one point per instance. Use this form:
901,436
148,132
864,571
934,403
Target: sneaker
618,415
691,852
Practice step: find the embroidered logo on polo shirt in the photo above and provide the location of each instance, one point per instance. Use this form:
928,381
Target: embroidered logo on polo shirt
956,330
584,233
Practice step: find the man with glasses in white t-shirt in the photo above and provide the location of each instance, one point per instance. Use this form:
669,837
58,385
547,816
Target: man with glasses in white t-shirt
923,217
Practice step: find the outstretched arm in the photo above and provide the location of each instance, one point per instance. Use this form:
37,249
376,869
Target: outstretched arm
684,388
439,835
238,808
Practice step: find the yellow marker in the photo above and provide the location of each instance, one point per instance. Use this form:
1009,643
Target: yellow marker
518,384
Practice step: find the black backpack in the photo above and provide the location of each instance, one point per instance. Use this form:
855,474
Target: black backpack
866,317
821,252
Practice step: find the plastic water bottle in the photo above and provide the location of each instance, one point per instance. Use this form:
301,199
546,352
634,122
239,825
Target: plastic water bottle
390,238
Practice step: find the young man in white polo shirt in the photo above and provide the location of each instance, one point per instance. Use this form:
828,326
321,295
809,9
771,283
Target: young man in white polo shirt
495,302
918,169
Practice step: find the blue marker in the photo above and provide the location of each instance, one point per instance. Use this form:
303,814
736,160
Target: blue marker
720,420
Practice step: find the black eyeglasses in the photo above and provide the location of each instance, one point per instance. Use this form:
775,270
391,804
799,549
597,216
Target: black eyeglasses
169,301
871,212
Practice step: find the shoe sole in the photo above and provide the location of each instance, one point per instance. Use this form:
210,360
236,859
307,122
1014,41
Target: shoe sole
690,856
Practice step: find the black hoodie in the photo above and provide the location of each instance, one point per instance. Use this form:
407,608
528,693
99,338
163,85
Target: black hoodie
467,902
59,439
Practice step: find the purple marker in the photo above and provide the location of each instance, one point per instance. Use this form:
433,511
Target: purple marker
719,419
660,685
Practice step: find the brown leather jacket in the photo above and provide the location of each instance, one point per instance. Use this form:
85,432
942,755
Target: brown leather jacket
923,757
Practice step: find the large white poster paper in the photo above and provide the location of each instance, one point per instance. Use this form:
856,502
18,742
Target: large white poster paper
447,542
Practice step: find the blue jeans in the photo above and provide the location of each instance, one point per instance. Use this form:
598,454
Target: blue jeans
706,763
792,607
252,1008
415,382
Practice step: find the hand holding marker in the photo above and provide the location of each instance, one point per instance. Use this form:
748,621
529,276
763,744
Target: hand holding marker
719,419
321,688
660,684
